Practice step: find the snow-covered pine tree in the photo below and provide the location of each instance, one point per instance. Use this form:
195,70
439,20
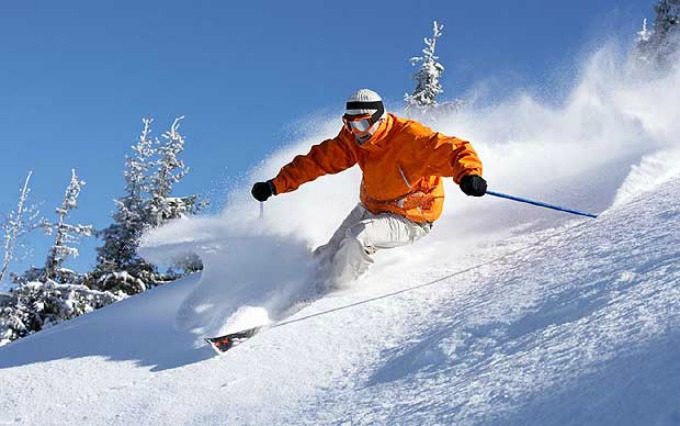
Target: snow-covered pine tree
660,46
150,176
422,102
35,305
66,235
428,85
49,295
17,224
163,207
169,171
119,268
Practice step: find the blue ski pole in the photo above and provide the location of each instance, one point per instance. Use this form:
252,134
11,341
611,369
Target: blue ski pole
540,204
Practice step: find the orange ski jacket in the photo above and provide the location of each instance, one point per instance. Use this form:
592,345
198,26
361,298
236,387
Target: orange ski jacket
402,165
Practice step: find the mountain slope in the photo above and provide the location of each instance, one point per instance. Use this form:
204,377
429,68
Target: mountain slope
573,325
582,329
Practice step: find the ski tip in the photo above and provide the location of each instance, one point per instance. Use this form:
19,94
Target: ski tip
220,344
212,346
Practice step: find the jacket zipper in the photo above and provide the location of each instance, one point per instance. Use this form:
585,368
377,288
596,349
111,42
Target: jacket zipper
410,187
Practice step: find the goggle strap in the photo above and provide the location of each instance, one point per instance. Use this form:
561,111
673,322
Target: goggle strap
378,105
365,105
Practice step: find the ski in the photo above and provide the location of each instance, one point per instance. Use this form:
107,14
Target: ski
222,344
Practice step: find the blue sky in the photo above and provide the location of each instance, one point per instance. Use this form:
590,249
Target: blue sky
78,76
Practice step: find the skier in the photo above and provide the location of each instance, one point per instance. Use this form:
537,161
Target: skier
402,192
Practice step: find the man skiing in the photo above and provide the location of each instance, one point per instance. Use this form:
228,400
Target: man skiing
402,192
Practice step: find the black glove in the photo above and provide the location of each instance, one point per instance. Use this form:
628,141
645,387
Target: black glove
473,185
263,190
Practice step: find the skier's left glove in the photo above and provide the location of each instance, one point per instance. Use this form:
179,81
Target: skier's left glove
263,190
473,185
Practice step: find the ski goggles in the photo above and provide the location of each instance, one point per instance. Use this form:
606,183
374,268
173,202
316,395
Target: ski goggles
360,125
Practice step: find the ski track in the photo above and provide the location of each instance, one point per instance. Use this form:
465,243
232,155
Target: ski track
528,344
579,329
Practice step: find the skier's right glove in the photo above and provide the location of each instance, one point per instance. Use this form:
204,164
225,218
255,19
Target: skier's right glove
473,185
263,190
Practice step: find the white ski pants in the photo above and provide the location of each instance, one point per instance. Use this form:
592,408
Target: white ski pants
349,253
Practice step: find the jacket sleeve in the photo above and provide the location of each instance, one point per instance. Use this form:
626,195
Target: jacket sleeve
329,157
450,156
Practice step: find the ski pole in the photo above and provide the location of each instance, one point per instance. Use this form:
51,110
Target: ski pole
540,204
261,210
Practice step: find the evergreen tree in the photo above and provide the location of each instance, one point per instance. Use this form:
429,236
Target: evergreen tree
422,102
118,265
428,84
49,295
170,170
35,305
163,207
18,223
66,235
659,46
150,177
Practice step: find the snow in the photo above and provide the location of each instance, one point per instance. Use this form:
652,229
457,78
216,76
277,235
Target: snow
506,314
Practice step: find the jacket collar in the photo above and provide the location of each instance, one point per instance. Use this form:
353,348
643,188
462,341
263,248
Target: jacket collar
381,136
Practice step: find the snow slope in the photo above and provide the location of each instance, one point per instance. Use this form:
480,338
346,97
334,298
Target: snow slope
574,325
505,314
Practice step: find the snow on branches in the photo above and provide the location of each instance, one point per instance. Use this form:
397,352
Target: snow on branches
170,170
423,100
150,175
660,46
137,166
36,305
428,84
66,234
45,296
17,224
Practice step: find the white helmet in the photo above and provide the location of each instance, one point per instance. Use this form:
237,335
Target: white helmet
364,114
365,101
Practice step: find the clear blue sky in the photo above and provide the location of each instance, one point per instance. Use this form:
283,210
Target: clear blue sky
76,77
